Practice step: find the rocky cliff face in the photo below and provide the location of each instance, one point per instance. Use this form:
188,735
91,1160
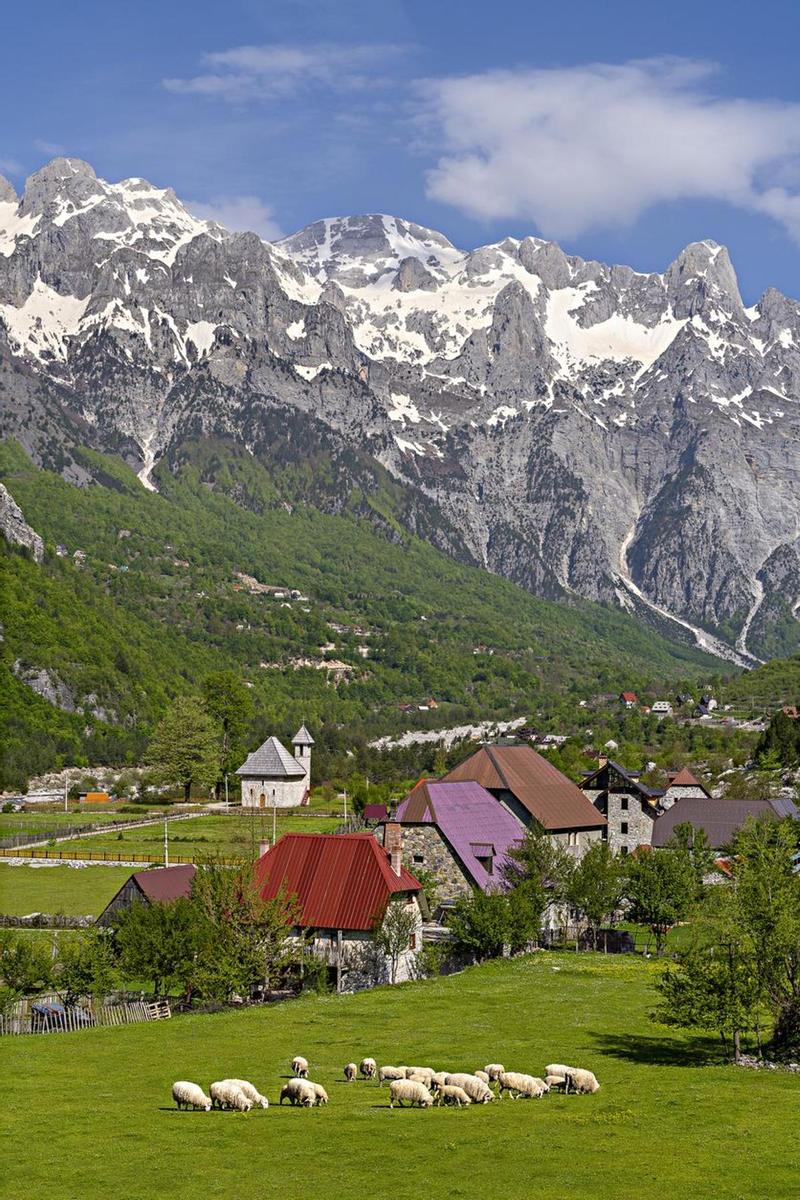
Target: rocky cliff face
577,427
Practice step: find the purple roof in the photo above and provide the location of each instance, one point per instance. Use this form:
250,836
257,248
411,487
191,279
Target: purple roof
470,819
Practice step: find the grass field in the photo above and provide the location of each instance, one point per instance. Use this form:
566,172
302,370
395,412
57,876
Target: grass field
74,891
239,833
36,822
669,1121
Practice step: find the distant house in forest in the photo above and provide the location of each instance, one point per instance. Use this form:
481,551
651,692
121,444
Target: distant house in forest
158,885
628,699
272,777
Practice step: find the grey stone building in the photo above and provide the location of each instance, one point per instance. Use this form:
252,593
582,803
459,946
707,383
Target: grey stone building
629,806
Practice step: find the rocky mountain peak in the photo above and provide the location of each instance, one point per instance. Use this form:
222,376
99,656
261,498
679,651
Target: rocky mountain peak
8,194
702,273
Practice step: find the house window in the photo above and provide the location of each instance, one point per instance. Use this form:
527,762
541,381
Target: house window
623,850
419,858
412,942
623,827
486,862
624,803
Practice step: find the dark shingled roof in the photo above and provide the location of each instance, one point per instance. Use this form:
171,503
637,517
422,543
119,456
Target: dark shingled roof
719,818
630,777
552,799
272,761
341,881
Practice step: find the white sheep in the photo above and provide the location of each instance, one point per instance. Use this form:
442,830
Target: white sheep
583,1082
559,1069
251,1092
494,1070
320,1095
484,1075
298,1091
421,1075
450,1094
517,1084
228,1095
350,1071
476,1089
439,1078
300,1066
556,1082
189,1095
391,1073
368,1068
408,1091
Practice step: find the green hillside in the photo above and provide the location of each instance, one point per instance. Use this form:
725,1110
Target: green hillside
157,603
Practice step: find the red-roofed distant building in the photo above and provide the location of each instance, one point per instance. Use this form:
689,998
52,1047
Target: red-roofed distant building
158,885
346,885
628,699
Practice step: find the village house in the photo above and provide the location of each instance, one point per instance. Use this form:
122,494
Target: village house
628,699
662,708
158,885
629,806
460,833
718,818
535,792
346,886
680,785
272,777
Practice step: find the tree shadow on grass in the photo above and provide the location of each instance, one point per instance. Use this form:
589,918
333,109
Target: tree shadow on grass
662,1051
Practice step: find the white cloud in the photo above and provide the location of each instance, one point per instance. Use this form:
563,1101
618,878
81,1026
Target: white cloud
595,146
251,73
11,165
240,214
51,148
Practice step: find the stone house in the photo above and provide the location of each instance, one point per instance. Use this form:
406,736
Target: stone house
460,833
271,776
629,806
682,784
536,793
347,886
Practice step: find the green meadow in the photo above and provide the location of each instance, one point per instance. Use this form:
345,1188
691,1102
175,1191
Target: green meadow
671,1118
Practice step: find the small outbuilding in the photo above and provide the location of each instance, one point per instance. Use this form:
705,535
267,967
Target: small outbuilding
158,885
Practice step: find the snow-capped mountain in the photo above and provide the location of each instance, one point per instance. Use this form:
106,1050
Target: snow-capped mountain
584,428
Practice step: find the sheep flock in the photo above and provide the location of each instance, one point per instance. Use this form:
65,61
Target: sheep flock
422,1087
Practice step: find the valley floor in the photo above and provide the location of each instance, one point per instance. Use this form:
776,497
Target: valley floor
670,1119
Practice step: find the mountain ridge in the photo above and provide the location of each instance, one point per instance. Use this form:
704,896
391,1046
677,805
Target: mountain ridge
632,438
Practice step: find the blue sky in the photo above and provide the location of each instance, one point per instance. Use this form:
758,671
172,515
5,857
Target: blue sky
624,130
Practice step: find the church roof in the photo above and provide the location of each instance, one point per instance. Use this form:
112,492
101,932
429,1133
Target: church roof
272,761
302,737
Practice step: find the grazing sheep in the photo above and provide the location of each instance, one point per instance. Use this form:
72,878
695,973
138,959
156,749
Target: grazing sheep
494,1070
189,1095
439,1078
583,1082
368,1068
450,1094
484,1075
559,1069
320,1095
517,1084
251,1092
298,1091
556,1082
408,1091
300,1066
391,1073
350,1072
476,1089
227,1095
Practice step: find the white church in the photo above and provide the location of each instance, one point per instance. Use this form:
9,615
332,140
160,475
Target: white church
272,776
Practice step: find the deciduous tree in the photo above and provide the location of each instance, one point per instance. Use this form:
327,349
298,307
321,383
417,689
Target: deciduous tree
185,747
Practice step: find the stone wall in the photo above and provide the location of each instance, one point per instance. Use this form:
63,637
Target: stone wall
424,847
678,793
630,823
282,793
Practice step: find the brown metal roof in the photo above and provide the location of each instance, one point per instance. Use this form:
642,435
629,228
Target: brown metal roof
555,801
165,883
685,778
718,817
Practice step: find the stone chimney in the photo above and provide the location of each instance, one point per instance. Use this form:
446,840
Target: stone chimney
602,760
393,844
263,847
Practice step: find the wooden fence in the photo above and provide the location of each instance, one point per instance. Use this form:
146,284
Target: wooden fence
110,856
70,1020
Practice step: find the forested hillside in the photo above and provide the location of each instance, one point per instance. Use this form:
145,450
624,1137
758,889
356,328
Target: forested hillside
153,601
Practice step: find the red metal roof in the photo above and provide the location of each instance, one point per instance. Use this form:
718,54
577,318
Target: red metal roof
165,883
342,881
